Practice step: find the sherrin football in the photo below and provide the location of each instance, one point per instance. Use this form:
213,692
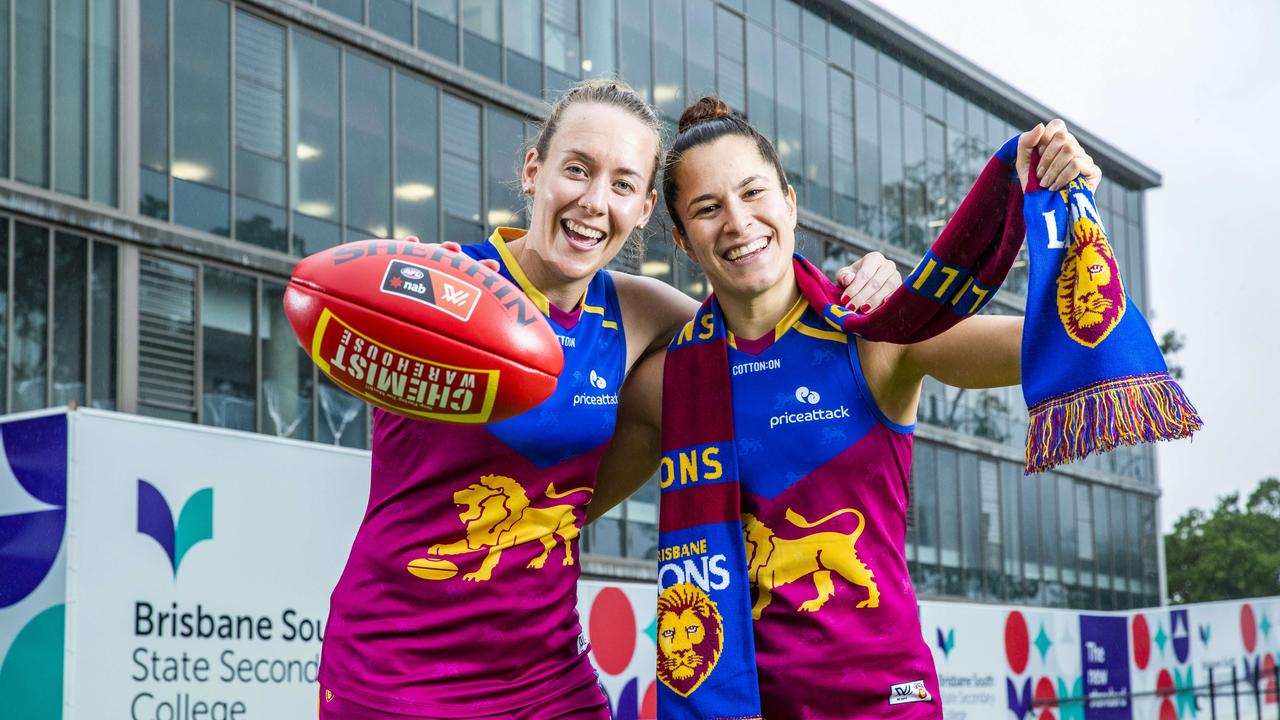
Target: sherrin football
423,331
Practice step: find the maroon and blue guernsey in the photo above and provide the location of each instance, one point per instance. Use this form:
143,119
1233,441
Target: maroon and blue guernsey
824,477
459,596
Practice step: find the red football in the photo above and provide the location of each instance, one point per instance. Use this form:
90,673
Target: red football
422,331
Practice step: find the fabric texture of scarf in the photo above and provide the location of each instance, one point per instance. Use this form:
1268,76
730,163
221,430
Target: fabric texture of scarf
1092,374
706,649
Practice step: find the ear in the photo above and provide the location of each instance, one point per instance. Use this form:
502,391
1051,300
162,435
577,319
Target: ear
683,244
791,205
529,171
650,202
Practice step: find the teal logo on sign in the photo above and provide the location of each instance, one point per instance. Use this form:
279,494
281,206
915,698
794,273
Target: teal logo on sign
155,520
946,642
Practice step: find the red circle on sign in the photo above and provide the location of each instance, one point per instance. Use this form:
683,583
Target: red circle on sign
1017,645
1248,628
649,706
1045,696
1164,684
613,630
1141,642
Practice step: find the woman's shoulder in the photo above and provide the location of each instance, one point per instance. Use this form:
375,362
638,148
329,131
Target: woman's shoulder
652,311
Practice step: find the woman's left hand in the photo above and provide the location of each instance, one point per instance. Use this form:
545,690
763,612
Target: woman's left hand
868,281
1062,159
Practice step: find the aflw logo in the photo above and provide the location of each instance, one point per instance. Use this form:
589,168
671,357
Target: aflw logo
431,287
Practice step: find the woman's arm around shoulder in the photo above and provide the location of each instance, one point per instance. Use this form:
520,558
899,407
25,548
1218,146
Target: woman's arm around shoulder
633,454
652,313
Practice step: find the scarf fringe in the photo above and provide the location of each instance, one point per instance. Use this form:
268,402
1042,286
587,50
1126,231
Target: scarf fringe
1103,416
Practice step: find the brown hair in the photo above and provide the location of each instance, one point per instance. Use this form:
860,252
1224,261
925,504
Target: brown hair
605,92
705,121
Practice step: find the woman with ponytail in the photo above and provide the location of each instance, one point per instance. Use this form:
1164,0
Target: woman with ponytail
459,596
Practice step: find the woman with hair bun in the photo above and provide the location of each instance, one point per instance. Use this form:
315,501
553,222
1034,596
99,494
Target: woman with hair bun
795,438
458,599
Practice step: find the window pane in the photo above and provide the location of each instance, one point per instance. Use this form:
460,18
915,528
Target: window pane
314,103
105,320
864,59
70,291
226,317
1049,525
30,316
790,101
892,194
286,371
502,150
417,159
642,522
971,524
817,134
867,114
914,183
912,87
989,531
761,11
560,45
842,173
261,224
393,18
598,31
786,15
369,133
522,33
1067,528
1031,551
760,105
5,49
668,82
351,9
1010,507
699,28
201,129
342,416
70,89
103,103
166,339
949,521
814,32
635,51
31,72
1102,537
480,37
4,306
924,488
461,178
260,109
730,54
438,28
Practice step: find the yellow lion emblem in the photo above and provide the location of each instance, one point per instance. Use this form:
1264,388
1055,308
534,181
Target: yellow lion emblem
690,637
773,561
1091,299
497,515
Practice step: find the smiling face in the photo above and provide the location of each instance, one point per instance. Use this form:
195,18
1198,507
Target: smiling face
739,222
590,190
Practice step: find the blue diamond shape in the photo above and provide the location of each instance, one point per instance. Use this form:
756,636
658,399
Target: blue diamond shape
1161,639
1042,642
1266,626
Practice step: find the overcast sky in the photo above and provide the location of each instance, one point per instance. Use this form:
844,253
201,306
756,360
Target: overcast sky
1192,90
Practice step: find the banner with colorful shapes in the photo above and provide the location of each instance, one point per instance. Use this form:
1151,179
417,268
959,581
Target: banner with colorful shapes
619,620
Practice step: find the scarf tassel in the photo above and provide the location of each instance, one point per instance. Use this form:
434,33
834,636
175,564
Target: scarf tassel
1103,416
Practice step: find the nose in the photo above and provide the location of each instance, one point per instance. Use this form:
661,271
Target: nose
595,197
736,217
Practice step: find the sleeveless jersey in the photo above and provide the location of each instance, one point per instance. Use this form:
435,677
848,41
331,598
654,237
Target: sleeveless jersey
824,479
459,596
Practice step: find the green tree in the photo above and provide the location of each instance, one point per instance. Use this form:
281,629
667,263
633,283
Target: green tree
1233,552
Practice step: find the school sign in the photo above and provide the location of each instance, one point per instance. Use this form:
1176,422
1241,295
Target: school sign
163,571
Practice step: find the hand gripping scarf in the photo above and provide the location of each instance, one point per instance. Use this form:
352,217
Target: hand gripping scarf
706,649
1092,374
1083,396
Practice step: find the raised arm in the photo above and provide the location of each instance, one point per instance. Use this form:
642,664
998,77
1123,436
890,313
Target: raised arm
632,456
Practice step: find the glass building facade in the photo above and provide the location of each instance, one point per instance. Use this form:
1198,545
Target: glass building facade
163,163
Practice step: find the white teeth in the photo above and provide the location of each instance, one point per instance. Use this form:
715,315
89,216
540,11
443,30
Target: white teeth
583,230
747,249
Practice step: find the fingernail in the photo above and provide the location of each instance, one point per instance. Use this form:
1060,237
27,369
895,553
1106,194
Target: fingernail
864,309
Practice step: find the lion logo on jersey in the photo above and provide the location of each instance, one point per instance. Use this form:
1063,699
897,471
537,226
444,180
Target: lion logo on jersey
690,637
773,561
1091,300
497,515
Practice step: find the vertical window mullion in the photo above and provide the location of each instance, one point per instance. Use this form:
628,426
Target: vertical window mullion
50,259
287,132
342,145
232,80
8,345
197,339
87,347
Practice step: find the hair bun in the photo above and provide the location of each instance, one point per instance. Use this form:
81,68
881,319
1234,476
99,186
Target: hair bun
708,107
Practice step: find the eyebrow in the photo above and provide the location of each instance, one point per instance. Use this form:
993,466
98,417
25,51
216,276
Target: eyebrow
712,196
590,159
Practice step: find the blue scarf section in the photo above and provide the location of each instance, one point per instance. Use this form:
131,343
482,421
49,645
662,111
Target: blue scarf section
1092,374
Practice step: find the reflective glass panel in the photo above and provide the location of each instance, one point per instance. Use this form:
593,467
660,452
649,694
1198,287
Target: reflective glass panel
971,525
668,61
504,133
461,172
814,32
438,28
866,120
71,84
790,103
760,105
369,134
31,83
892,195
598,33
201,89
522,34
70,298
560,45
817,136
4,106
226,317
105,313
286,371
417,159
103,69
4,307
393,18
730,70
30,351
314,105
351,9
786,16
635,50
342,416
481,25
